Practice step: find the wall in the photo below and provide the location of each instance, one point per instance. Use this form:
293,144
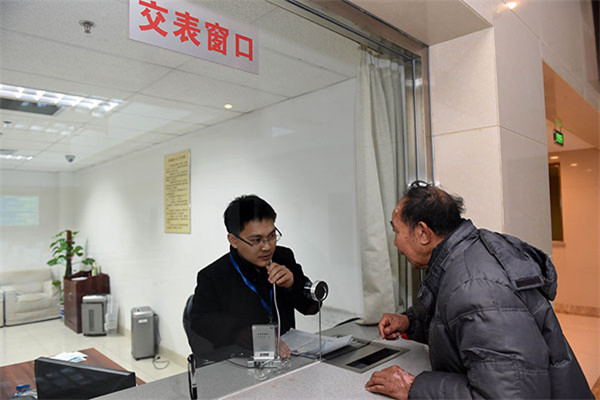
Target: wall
577,258
488,115
27,247
489,128
465,125
298,155
563,30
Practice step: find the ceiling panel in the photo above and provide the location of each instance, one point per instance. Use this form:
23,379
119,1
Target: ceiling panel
31,54
162,93
72,148
58,84
150,106
303,40
210,92
274,74
26,147
153,137
87,138
430,22
246,11
126,148
22,123
10,164
32,136
145,123
109,35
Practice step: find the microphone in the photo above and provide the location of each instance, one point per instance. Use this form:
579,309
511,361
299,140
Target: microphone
317,291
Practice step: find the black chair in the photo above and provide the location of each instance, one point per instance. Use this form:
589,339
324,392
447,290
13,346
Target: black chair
200,346
203,350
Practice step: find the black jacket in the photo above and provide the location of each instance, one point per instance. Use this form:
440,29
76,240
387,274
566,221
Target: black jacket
225,308
492,333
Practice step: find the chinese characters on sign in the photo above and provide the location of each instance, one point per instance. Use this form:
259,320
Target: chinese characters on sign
177,192
185,27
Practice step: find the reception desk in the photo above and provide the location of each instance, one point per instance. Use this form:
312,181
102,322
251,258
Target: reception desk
306,379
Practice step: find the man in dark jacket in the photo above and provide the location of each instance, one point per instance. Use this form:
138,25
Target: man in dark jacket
236,291
483,310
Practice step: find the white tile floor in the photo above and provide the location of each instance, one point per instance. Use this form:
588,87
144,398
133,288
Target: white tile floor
48,338
583,334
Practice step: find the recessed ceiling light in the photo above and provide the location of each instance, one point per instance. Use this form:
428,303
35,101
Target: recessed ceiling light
511,4
574,164
228,106
554,158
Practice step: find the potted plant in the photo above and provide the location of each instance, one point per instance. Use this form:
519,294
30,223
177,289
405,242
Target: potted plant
63,250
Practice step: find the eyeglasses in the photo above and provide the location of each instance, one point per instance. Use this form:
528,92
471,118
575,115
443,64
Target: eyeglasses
272,238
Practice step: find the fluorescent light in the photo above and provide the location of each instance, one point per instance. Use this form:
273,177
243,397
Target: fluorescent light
11,157
96,104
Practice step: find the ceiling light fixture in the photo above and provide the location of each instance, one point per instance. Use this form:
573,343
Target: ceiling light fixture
11,157
97,104
511,4
574,164
228,106
554,157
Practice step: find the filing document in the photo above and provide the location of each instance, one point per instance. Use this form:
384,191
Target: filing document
307,344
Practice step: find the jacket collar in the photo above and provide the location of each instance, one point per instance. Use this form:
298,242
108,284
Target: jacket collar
430,286
248,269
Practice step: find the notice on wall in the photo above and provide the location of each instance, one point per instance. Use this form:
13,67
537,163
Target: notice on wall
177,192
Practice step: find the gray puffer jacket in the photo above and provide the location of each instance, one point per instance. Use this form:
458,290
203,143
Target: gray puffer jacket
484,312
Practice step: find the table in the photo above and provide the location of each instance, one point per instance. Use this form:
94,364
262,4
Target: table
307,379
14,374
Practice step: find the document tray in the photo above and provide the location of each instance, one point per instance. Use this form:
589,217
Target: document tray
361,356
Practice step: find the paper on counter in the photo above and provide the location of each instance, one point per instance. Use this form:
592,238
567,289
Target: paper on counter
307,344
73,357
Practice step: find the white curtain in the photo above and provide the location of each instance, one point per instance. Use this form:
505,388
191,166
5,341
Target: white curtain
379,124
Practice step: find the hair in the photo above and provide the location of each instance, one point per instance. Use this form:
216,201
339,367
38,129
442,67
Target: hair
433,206
244,209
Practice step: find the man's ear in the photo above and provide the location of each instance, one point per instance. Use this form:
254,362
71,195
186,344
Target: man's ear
232,240
423,233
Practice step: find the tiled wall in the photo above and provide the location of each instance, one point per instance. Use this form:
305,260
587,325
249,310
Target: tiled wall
465,124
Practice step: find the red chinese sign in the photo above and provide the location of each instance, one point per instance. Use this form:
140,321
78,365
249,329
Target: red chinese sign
185,27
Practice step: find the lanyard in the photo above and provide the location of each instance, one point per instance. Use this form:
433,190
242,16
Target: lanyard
265,305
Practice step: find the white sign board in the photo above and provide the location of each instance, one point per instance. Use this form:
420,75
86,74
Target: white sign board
185,27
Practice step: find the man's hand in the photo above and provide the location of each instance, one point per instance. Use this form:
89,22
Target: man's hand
392,381
391,326
280,275
284,350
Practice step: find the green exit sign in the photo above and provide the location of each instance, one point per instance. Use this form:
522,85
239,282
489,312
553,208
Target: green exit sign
559,138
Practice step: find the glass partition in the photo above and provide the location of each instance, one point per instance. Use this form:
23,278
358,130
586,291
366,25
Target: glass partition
125,109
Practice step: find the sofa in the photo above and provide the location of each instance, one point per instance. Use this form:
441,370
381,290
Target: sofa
29,296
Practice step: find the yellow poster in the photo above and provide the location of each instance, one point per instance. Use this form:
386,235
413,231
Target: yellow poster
177,192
